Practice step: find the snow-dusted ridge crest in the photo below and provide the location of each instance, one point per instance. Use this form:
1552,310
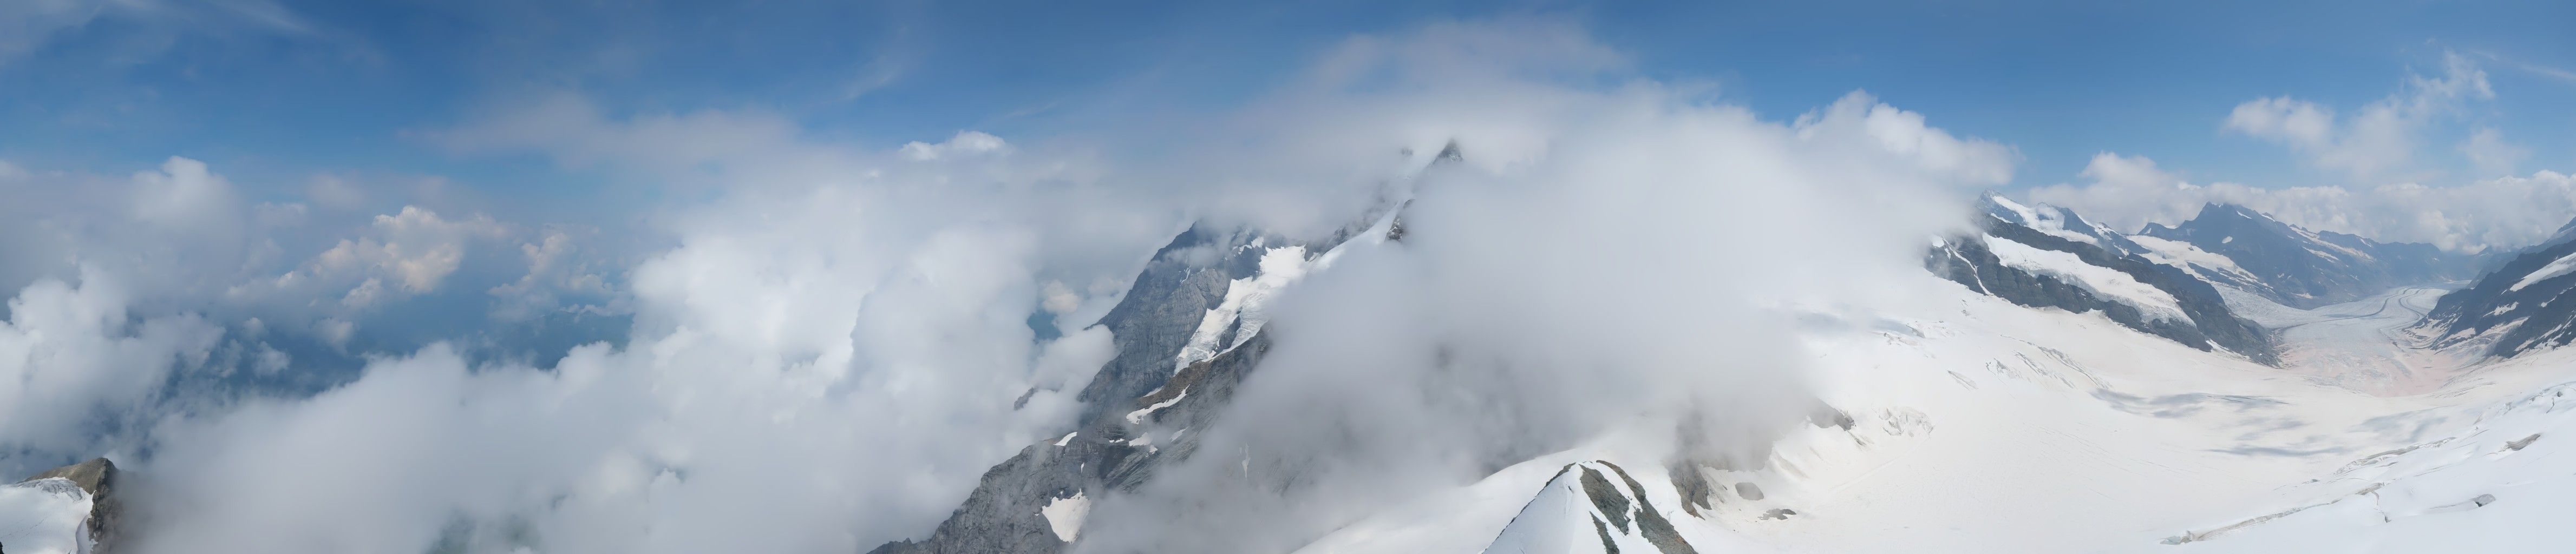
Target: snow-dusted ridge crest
1595,496
1188,330
2048,257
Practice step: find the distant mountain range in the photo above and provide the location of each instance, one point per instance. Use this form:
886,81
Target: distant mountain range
2306,269
2178,282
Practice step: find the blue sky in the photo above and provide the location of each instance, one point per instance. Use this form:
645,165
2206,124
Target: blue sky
275,93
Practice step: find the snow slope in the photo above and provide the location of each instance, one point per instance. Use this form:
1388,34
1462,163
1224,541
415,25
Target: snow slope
2102,281
44,516
2556,268
1980,426
1243,312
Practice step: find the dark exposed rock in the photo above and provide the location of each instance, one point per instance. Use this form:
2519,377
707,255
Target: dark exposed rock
1650,521
1602,531
1696,491
1003,514
1618,507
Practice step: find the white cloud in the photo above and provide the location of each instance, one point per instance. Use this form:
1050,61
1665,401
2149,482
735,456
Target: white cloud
181,237
554,272
2490,154
414,247
1059,299
1608,256
2380,140
851,321
73,362
185,196
2126,192
966,143
1904,134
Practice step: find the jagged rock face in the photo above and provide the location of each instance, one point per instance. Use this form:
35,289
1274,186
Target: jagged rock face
1143,407
2519,307
2206,321
1150,325
2306,269
1184,342
92,483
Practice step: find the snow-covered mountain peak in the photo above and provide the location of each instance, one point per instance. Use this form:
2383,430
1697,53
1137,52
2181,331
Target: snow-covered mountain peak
2054,221
1590,507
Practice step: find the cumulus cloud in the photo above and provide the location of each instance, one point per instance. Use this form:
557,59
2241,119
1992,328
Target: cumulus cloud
74,363
323,286
792,386
851,321
1623,256
2382,138
2490,154
417,249
2127,192
554,272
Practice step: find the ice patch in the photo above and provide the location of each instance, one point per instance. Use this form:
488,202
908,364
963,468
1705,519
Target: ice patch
1065,515
2185,256
1138,417
1245,305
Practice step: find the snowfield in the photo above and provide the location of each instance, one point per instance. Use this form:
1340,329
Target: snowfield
1988,427
2200,263
2110,284
44,516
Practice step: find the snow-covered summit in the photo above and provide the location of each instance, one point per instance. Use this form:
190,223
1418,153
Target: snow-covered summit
1590,507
